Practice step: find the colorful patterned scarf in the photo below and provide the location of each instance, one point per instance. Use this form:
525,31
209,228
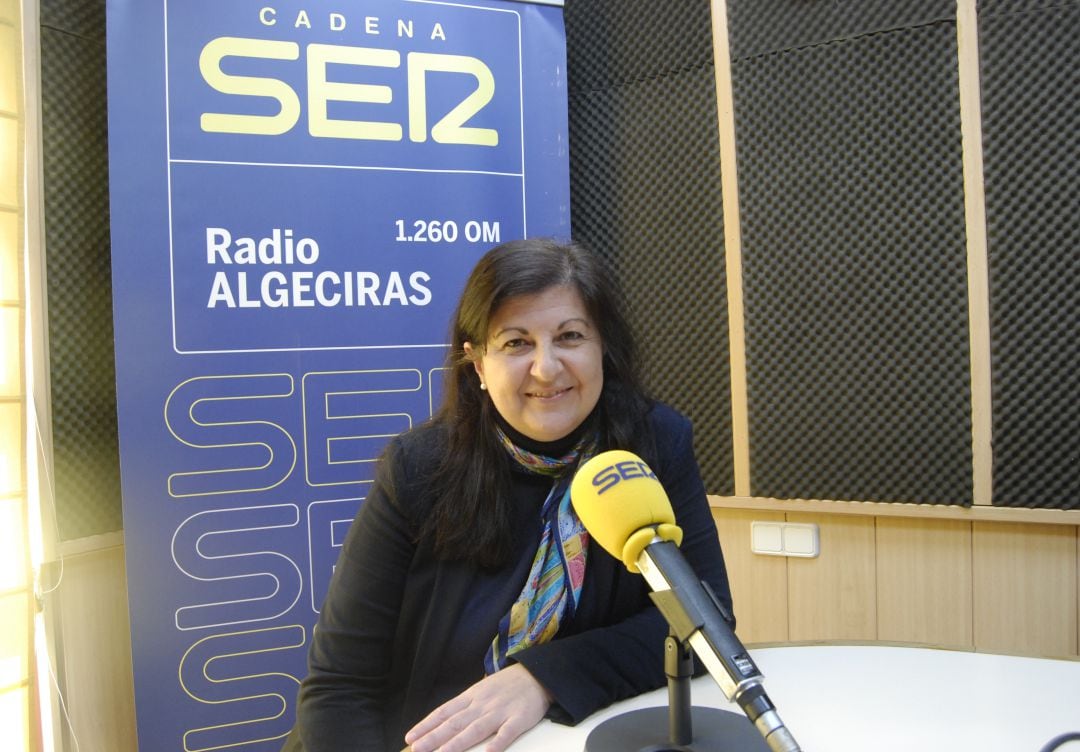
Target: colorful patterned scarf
553,587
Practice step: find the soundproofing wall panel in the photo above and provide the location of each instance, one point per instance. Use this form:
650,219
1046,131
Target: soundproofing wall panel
645,193
75,156
854,251
77,18
765,27
1030,55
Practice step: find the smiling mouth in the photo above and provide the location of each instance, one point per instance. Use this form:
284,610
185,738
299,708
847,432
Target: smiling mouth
548,395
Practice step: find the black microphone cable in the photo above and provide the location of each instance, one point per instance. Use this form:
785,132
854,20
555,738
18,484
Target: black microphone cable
1057,741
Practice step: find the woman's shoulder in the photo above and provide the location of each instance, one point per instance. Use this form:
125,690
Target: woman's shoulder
429,435
411,457
405,470
418,448
666,421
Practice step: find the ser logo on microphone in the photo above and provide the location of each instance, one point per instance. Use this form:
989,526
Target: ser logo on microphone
612,475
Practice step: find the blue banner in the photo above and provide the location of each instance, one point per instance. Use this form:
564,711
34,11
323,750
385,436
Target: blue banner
298,191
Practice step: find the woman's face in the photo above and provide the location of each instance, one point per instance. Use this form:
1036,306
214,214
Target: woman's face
542,363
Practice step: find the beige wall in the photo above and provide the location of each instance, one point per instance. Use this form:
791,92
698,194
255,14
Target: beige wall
1008,587
92,639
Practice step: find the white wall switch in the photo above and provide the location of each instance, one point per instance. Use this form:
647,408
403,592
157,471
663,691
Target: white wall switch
767,538
800,539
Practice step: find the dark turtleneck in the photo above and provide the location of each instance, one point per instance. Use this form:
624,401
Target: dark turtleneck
556,448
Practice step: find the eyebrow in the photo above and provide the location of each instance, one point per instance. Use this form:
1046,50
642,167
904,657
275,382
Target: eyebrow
523,330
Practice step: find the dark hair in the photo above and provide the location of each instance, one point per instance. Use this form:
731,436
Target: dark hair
470,517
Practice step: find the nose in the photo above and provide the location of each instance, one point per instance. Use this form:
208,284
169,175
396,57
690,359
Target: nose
546,364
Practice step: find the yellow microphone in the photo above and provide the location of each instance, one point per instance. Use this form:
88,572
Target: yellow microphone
625,509
623,506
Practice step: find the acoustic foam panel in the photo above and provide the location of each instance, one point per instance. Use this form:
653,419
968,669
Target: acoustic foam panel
854,257
75,156
1031,116
646,194
767,26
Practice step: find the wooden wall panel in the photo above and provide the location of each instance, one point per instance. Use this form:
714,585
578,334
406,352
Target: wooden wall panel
832,596
1024,593
95,674
924,576
758,582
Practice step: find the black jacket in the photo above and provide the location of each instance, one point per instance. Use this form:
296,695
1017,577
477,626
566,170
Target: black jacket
401,631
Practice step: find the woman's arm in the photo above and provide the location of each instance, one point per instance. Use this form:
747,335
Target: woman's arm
341,701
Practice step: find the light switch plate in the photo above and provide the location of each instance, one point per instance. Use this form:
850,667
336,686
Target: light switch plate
784,539
800,540
767,538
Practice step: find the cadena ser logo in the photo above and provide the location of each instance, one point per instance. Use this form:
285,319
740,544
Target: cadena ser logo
435,75
610,476
322,91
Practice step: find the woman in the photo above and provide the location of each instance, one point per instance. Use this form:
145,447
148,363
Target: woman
467,604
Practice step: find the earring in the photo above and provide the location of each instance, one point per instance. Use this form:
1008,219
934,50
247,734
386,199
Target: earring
483,386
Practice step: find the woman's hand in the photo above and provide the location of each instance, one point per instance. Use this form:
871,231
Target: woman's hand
499,708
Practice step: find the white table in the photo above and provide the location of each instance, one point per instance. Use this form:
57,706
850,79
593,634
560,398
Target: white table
858,698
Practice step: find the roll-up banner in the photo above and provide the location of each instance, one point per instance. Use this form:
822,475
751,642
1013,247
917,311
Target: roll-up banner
298,191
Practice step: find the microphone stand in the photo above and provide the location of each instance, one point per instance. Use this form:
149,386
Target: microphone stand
679,667
689,728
